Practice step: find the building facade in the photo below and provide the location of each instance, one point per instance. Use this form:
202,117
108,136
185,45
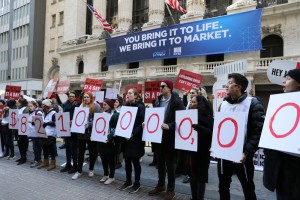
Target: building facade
75,48
22,44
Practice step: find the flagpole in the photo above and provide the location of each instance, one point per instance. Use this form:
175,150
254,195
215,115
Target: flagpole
170,12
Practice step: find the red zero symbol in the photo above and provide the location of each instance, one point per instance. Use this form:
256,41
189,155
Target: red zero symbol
295,125
82,120
121,124
149,131
230,144
102,131
191,130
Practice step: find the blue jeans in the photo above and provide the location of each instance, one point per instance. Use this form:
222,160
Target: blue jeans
37,149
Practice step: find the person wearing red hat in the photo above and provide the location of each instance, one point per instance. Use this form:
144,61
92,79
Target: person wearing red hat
281,169
166,152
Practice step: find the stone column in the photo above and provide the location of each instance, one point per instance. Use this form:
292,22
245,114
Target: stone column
241,6
195,11
124,16
100,6
156,14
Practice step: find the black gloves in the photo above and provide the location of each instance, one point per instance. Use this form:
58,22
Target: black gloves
45,124
32,123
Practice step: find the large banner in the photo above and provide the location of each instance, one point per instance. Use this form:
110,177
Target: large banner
231,33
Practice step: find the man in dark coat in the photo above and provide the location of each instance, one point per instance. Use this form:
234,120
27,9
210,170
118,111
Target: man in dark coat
166,153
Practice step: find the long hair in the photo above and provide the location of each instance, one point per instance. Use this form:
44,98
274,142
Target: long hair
91,105
204,106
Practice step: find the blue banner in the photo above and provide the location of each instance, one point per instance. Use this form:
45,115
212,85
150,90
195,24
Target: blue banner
231,33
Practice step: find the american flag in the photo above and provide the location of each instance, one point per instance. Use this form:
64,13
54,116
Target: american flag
175,5
105,24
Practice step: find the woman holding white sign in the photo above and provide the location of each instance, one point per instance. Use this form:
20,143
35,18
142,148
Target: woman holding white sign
134,146
85,139
108,150
282,170
201,158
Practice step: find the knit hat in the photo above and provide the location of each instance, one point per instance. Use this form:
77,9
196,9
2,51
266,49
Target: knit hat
169,84
53,96
2,101
47,102
294,74
110,102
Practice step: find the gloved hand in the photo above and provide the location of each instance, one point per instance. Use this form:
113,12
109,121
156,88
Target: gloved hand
32,123
45,124
195,126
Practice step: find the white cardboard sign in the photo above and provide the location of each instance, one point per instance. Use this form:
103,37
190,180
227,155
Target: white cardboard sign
186,138
99,96
13,119
23,124
281,130
154,118
112,93
80,118
40,131
63,124
229,135
278,69
100,127
126,121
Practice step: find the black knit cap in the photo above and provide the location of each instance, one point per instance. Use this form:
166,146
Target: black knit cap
294,74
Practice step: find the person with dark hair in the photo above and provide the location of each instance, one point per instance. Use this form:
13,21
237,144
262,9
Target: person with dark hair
85,139
108,149
22,139
118,140
70,142
134,146
201,158
237,100
281,169
166,152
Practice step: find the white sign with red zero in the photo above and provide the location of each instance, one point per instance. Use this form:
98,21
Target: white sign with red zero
281,130
186,138
154,118
80,118
23,124
99,96
229,135
38,124
63,124
111,93
278,69
13,119
126,121
100,127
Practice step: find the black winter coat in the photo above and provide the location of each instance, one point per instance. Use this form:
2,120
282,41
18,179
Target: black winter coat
201,158
135,147
168,136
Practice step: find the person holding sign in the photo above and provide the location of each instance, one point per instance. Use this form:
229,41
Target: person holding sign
281,170
134,146
48,144
108,150
237,101
8,133
37,149
23,139
201,158
85,139
118,140
166,153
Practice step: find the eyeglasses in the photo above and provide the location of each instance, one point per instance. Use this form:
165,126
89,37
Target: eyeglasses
192,93
162,86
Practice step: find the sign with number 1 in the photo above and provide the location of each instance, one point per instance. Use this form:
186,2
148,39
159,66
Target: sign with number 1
63,124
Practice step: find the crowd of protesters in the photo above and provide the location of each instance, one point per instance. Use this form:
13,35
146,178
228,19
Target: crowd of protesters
281,169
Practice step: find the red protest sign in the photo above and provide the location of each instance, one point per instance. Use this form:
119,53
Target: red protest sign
298,65
12,92
92,85
151,91
139,88
186,80
1,111
63,87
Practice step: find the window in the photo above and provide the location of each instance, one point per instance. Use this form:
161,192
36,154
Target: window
133,65
80,67
59,41
216,7
89,19
215,58
52,44
61,18
53,21
170,61
139,14
112,12
104,66
272,46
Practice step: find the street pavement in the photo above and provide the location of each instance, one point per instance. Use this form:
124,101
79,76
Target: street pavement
22,182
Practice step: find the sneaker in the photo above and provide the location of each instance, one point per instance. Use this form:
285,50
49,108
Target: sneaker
156,190
91,173
135,188
170,195
4,155
76,175
35,164
103,179
10,157
109,181
125,186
